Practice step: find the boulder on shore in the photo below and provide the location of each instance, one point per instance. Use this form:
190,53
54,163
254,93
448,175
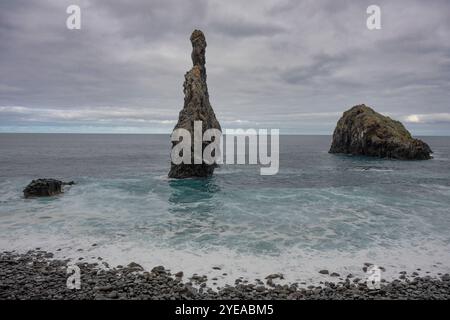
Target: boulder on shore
196,108
362,131
45,188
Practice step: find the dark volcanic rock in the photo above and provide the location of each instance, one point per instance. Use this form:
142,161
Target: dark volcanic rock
196,108
44,188
34,275
362,131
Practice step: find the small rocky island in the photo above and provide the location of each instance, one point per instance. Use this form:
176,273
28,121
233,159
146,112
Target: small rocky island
196,108
44,188
362,131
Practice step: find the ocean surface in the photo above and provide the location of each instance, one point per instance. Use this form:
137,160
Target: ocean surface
321,211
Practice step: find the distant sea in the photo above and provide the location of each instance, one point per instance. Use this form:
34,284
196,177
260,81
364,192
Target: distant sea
321,211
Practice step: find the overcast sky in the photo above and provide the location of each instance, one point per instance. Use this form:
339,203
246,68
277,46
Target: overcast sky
294,65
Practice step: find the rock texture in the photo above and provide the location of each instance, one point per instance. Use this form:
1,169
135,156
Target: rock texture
196,108
37,275
44,188
362,131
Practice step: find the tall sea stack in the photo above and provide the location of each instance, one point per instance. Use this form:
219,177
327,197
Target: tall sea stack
362,131
196,108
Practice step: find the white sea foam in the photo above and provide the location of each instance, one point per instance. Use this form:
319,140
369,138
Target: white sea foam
296,265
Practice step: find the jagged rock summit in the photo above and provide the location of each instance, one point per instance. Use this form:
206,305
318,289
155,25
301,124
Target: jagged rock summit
362,131
196,108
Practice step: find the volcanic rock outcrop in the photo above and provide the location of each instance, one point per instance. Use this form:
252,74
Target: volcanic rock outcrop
362,131
196,108
45,188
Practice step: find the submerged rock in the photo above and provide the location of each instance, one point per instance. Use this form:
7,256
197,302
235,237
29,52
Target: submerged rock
45,188
196,108
362,131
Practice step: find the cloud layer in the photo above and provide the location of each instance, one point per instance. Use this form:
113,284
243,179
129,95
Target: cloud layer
294,65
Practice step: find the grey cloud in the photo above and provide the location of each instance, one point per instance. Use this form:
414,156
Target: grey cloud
270,63
322,66
237,28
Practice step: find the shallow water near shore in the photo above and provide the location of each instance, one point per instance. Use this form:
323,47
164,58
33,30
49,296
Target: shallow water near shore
321,211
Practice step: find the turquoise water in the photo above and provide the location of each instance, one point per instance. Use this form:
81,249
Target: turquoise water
320,210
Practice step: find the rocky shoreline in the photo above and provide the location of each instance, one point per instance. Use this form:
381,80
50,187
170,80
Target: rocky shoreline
37,275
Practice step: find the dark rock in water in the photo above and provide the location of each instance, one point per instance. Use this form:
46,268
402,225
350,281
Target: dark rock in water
135,266
335,274
362,131
275,276
196,108
158,269
45,188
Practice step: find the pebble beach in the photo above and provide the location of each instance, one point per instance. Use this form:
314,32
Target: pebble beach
37,275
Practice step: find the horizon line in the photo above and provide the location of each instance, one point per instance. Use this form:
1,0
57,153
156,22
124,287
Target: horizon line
168,134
